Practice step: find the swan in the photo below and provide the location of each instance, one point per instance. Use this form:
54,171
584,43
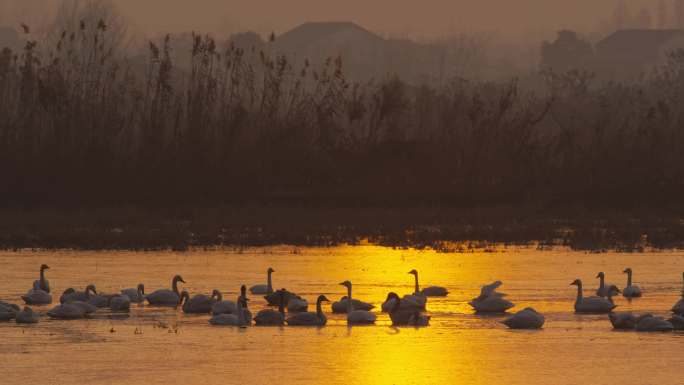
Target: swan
309,318
595,305
238,319
407,302
71,295
264,289
42,283
85,306
222,307
166,297
8,311
27,316
649,323
273,299
340,306
489,301
677,322
99,300
678,308
120,302
297,305
37,297
356,316
405,316
67,311
270,317
528,318
136,295
630,291
430,291
623,321
602,291
199,304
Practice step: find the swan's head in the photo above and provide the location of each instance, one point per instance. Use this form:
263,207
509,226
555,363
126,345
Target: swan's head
322,298
44,267
270,270
628,270
178,278
613,290
243,291
600,275
392,295
414,272
91,287
69,291
216,294
141,288
346,284
576,282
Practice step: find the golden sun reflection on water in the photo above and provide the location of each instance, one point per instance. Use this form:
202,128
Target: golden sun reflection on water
458,348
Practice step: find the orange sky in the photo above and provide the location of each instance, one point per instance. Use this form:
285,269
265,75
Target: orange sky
423,18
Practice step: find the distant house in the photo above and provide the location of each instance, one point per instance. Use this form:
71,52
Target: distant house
630,53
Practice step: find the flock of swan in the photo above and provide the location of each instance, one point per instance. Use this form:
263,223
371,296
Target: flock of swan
405,310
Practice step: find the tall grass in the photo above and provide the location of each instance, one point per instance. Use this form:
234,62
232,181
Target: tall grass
82,124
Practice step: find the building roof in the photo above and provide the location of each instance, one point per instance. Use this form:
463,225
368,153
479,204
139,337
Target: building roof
640,40
308,34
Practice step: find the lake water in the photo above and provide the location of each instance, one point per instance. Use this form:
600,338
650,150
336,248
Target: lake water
165,346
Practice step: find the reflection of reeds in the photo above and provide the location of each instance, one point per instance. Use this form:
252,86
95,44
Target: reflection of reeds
78,124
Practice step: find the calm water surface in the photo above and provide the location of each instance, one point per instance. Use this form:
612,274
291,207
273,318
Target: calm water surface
164,346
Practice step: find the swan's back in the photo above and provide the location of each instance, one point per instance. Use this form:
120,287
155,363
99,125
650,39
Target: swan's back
37,297
361,317
305,319
224,307
163,297
269,317
225,320
594,305
133,295
527,318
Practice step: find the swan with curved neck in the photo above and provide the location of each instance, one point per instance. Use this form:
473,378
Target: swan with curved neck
595,305
166,297
356,316
137,294
405,316
237,319
308,318
42,283
198,304
630,291
264,289
602,290
490,301
430,291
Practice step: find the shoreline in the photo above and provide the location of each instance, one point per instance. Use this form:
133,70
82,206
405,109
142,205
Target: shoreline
439,228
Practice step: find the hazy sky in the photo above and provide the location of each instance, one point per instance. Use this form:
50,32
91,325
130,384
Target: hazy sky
416,18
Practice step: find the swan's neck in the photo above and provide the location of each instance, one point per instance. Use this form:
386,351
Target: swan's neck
417,287
397,305
219,297
319,310
579,292
174,287
349,299
42,279
629,278
281,303
241,316
269,287
601,283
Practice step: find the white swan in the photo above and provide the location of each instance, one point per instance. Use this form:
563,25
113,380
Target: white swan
71,295
405,316
678,307
264,289
490,301
237,319
595,305
297,305
42,283
623,321
430,291
99,300
408,302
356,316
27,316
67,311
650,323
528,318
136,295
198,304
270,317
273,299
222,306
120,302
339,307
630,291
602,290
37,297
308,318
166,297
